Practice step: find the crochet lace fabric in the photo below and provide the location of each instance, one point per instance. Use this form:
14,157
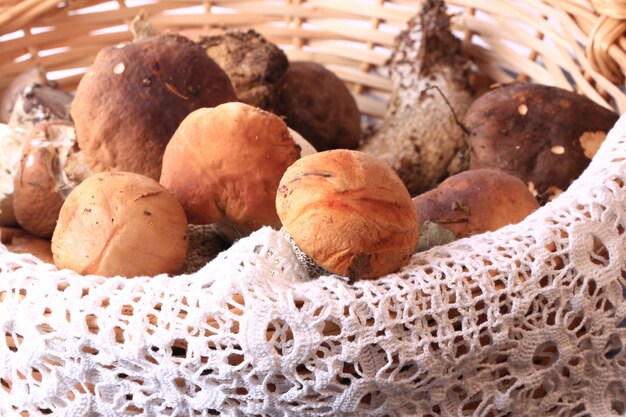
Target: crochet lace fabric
526,321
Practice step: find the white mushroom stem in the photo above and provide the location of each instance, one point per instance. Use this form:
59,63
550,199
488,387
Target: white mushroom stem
420,136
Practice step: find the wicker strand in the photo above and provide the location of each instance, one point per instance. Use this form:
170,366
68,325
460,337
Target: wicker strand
208,6
366,67
602,39
613,8
25,12
604,49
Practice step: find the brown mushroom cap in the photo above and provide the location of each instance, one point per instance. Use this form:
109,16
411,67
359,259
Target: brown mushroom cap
537,133
254,65
476,201
41,184
226,163
134,96
349,212
121,223
319,106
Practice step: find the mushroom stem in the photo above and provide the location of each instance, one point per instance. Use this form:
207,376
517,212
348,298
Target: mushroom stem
419,137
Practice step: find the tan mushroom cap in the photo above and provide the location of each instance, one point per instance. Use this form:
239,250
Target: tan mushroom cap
349,212
226,162
121,223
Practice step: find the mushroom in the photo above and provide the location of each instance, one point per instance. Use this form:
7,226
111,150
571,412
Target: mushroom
38,103
121,224
50,167
254,65
347,213
132,99
317,104
12,141
224,165
34,75
24,105
476,201
420,135
544,135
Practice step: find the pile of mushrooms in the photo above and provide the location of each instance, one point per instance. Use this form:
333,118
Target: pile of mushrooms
208,153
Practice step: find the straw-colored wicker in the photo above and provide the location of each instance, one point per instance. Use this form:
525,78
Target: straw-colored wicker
575,44
524,321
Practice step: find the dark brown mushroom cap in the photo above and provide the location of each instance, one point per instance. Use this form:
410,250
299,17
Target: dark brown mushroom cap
319,106
537,133
134,96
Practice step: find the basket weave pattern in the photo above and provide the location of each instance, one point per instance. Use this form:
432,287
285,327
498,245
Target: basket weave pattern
573,44
528,320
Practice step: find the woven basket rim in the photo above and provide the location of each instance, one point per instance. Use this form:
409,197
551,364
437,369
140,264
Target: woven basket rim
572,44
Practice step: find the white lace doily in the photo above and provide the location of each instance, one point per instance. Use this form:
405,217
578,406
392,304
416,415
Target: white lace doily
526,321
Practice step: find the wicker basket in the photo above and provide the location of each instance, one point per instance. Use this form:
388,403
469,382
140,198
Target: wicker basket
523,321
574,44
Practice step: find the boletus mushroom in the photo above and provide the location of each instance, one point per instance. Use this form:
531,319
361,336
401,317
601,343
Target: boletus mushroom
224,165
34,75
121,224
347,213
476,201
544,135
316,103
132,99
420,136
50,167
38,103
254,65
